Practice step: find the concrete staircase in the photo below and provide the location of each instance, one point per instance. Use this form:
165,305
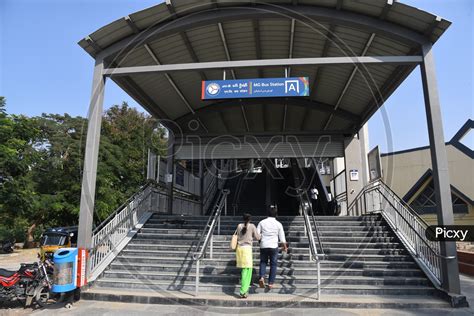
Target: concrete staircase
366,266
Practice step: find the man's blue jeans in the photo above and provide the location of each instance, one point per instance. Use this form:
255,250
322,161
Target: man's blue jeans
265,255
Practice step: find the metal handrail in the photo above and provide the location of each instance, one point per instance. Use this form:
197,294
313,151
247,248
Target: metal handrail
320,243
314,255
376,186
350,207
417,232
121,207
408,226
209,193
239,187
108,239
405,204
342,195
208,233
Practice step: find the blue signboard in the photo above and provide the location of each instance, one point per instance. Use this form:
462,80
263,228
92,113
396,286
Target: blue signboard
255,88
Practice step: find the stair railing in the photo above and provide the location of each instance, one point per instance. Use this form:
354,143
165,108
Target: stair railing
207,236
313,219
305,204
406,223
110,236
210,187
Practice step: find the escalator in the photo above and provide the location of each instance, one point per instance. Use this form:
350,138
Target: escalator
247,193
309,180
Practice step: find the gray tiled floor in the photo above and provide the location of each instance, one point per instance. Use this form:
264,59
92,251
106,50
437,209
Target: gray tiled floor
93,308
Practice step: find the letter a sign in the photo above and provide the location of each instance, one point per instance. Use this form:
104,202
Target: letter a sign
292,86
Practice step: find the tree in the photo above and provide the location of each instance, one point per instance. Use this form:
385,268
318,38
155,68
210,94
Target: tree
126,136
17,157
41,159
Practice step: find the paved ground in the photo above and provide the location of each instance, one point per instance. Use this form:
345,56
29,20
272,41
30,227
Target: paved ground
12,261
94,308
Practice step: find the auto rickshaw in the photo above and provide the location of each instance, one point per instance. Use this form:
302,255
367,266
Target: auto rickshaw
57,238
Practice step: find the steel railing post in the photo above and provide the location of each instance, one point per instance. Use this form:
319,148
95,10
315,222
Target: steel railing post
225,205
319,279
211,251
196,287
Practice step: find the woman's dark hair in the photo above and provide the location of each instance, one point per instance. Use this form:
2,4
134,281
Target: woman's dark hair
247,218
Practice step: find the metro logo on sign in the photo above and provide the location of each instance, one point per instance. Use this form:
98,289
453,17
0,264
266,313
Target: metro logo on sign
255,88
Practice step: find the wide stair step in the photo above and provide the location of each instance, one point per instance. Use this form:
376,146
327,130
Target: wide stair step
363,259
264,300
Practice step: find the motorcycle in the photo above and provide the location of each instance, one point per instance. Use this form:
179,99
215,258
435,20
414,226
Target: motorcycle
7,246
30,283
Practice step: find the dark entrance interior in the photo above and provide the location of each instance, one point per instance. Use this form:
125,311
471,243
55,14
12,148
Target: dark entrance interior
256,185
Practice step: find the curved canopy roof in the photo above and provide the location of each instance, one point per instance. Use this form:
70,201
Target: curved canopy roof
343,96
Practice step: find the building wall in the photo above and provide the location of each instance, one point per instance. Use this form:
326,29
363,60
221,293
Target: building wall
402,170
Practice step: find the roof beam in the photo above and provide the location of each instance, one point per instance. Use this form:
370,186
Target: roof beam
146,102
170,80
324,53
142,98
292,40
245,118
173,84
290,55
185,38
227,55
319,106
317,75
258,47
226,48
383,15
260,11
348,82
310,134
326,61
386,89
226,127
397,77
284,117
191,51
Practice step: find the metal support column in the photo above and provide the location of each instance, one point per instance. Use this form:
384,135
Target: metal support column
364,149
268,183
201,185
439,161
86,213
170,171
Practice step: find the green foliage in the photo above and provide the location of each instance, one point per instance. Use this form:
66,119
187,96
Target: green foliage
41,161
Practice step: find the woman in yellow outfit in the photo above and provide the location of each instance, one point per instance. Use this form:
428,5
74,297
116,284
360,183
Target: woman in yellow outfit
246,232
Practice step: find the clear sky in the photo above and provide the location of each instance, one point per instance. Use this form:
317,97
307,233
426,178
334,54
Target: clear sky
42,69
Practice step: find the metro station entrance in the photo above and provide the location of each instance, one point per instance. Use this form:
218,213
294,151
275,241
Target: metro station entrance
261,99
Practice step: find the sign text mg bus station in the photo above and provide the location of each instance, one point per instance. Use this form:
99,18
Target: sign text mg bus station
255,88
